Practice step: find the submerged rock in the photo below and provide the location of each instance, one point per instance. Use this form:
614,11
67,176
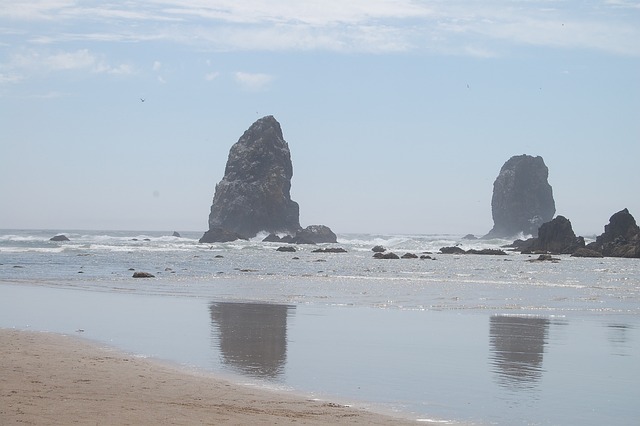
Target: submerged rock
409,256
59,238
585,252
329,250
389,255
545,258
254,194
378,249
143,275
522,198
486,251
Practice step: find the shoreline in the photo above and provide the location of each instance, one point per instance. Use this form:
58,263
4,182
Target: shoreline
57,379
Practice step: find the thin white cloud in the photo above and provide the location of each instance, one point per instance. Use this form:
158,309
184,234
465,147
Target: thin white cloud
298,37
628,4
565,35
70,60
252,81
49,95
9,78
311,12
79,60
34,9
441,26
211,76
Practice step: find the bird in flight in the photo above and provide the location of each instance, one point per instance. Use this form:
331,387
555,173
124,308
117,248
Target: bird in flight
142,99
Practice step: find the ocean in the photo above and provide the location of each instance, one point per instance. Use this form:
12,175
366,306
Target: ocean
478,339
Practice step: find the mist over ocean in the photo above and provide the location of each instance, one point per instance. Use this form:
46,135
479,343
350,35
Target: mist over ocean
457,338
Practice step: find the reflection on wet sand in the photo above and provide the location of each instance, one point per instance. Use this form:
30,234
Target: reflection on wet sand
618,336
252,337
517,346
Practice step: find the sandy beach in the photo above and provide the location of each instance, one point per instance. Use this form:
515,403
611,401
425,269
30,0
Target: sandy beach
60,380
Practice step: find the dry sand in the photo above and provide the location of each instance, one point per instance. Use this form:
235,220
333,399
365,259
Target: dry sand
49,379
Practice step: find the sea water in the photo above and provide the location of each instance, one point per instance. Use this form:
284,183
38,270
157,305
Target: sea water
456,338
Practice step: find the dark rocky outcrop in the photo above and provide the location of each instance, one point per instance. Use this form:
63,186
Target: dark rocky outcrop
487,252
621,237
545,258
555,237
469,237
176,234
273,238
409,256
254,194
59,238
522,198
220,235
289,249
452,250
378,249
389,255
315,234
143,275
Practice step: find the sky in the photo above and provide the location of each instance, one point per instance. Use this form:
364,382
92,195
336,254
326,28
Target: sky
398,113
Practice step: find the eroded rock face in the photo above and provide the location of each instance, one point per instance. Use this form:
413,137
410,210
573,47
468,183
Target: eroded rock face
555,237
621,237
522,198
315,234
254,194
220,235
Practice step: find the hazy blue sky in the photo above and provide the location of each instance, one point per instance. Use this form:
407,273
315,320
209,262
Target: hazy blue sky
398,113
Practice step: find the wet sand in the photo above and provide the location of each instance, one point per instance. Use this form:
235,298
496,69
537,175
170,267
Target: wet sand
59,380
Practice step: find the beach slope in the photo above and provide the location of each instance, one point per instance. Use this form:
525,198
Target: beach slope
59,380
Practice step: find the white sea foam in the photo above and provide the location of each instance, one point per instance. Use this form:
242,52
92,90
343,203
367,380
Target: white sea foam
428,314
448,282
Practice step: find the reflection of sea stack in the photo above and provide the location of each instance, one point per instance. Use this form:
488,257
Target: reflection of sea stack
254,194
517,344
522,198
252,337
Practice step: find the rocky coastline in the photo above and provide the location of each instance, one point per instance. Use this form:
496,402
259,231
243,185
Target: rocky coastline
254,197
621,238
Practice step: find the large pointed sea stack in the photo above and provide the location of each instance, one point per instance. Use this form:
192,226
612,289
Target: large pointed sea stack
254,194
522,198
